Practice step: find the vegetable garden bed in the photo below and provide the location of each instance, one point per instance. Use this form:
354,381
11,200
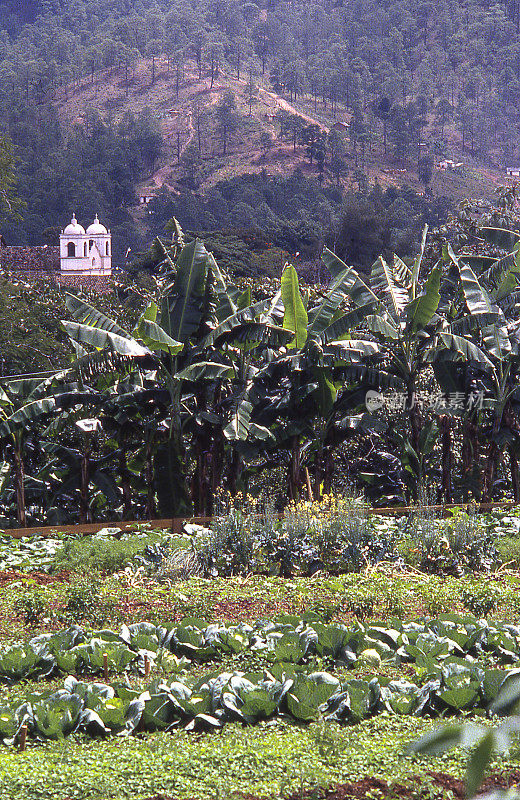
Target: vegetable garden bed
262,685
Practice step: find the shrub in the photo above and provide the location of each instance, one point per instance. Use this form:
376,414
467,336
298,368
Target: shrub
31,605
452,546
97,555
84,603
230,546
481,599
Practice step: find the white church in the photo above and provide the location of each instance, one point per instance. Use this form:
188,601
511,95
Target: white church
85,253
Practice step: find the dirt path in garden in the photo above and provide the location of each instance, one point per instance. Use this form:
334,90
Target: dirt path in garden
368,788
42,578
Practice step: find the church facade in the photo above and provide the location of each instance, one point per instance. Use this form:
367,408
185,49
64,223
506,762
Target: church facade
83,258
85,253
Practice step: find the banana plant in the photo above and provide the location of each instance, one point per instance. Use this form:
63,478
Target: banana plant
164,344
133,415
196,342
304,394
22,408
484,336
221,407
402,323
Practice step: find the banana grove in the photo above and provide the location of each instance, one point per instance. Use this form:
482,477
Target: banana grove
214,389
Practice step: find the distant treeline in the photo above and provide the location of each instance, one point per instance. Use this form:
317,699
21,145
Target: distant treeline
297,214
92,169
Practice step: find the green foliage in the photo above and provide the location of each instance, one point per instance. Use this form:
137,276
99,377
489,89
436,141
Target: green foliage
482,741
295,314
93,555
31,605
106,158
439,649
10,204
481,599
375,222
84,603
267,202
460,543
280,758
30,337
508,548
229,399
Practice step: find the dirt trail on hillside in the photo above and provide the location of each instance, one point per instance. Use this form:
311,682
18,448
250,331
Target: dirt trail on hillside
191,130
292,110
163,174
281,103
160,176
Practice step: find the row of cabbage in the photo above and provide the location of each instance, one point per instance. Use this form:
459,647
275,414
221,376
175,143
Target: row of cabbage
96,709
287,639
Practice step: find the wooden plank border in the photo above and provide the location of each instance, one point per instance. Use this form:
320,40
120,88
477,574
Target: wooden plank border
176,524
48,531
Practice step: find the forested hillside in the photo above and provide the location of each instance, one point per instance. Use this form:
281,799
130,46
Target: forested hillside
349,93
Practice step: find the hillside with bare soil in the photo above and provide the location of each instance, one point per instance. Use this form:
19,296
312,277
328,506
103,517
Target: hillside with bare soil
185,107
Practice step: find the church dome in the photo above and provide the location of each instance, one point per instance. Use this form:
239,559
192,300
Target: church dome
96,229
74,228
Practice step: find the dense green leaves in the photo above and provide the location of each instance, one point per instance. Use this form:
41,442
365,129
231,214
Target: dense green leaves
290,686
421,310
184,305
295,314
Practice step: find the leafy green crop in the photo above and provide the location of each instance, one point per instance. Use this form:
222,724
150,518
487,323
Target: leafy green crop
451,656
214,700
449,640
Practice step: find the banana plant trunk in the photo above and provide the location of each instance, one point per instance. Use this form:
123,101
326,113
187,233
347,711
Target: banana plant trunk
217,463
328,472
515,475
294,476
124,476
446,492
324,467
201,482
415,420
234,469
470,455
19,482
150,508
510,420
318,474
492,462
84,510
414,416
202,444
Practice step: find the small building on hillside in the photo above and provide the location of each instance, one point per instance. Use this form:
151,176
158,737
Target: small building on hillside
146,196
342,127
514,172
449,164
